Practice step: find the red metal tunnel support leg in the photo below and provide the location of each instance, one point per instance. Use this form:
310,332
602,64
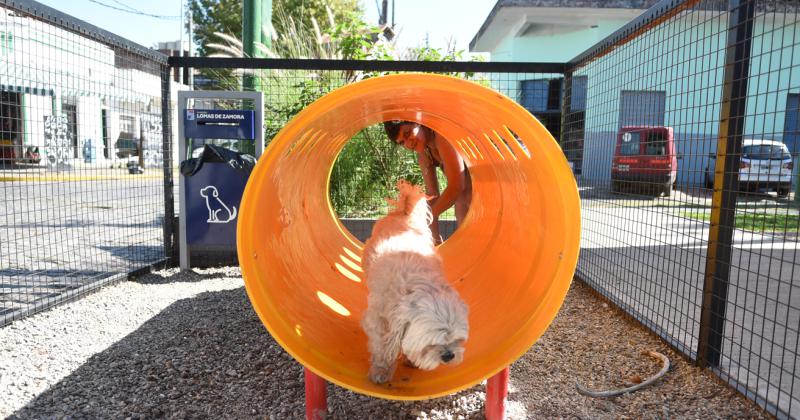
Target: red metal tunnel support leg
316,396
496,392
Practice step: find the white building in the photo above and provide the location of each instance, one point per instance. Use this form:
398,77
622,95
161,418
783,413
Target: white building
76,100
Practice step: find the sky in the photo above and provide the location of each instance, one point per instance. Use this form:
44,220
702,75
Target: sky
416,20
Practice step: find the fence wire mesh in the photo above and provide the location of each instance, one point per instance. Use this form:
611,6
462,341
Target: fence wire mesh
683,132
81,158
367,169
681,129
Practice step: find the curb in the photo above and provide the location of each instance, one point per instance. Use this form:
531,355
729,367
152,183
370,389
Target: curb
74,178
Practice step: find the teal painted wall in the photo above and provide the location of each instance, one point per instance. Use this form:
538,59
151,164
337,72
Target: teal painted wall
559,48
685,59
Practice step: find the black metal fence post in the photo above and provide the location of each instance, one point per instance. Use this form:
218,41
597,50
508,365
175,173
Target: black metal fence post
166,133
726,181
566,104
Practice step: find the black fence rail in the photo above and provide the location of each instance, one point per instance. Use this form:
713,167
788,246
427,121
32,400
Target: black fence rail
368,167
82,158
683,131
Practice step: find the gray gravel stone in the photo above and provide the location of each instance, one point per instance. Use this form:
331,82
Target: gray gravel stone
189,345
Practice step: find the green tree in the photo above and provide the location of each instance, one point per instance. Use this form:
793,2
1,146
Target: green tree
225,16
369,166
215,16
305,10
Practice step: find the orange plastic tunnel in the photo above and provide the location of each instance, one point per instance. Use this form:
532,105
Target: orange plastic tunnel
512,259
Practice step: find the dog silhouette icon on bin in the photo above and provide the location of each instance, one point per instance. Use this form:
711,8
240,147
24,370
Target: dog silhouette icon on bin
214,183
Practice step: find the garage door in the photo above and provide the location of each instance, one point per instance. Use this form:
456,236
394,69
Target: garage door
642,108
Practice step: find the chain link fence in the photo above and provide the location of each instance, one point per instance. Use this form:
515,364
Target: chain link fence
368,168
683,131
82,158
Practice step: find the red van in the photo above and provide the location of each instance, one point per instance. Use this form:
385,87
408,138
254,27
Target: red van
644,160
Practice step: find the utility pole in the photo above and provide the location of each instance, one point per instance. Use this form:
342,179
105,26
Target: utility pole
191,47
251,35
180,45
384,13
266,23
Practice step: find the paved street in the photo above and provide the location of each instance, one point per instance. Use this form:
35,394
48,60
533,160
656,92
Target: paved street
60,236
650,257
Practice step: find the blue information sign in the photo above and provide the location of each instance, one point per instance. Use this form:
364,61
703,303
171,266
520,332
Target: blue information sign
219,124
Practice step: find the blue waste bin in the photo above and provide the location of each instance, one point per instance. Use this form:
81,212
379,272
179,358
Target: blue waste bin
213,193
213,184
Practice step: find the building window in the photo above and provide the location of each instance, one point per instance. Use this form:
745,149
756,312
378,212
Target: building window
574,123
70,110
541,95
126,126
10,127
642,108
6,43
542,98
578,94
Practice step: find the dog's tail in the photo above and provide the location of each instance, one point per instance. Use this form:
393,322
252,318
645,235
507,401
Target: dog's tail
411,201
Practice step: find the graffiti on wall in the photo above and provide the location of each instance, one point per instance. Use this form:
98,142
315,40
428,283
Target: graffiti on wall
57,141
152,134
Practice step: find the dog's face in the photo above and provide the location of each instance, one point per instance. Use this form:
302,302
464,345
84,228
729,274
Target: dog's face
209,190
436,331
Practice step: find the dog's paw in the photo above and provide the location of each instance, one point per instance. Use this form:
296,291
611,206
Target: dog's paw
380,374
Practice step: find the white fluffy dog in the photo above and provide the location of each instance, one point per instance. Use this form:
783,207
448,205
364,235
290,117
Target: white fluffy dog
411,307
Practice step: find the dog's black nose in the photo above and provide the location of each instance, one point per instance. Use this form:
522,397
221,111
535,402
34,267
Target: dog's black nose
448,356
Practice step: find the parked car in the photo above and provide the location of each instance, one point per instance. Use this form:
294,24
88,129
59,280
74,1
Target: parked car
127,147
764,165
644,158
32,155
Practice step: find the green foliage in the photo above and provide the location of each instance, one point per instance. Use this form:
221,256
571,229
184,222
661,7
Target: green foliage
306,12
369,166
292,98
211,17
782,220
366,172
215,16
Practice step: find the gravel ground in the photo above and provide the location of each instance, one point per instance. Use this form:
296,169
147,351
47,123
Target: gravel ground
180,345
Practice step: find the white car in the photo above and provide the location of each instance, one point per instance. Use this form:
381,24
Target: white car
764,165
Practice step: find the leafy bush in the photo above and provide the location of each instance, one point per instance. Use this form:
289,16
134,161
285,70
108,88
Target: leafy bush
369,166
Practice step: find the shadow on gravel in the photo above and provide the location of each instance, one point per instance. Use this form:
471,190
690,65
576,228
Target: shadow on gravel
210,357
174,275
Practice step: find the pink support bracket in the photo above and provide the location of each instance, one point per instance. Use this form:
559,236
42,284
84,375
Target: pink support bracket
317,396
496,393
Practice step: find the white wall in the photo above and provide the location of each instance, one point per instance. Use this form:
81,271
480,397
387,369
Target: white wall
35,108
90,126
